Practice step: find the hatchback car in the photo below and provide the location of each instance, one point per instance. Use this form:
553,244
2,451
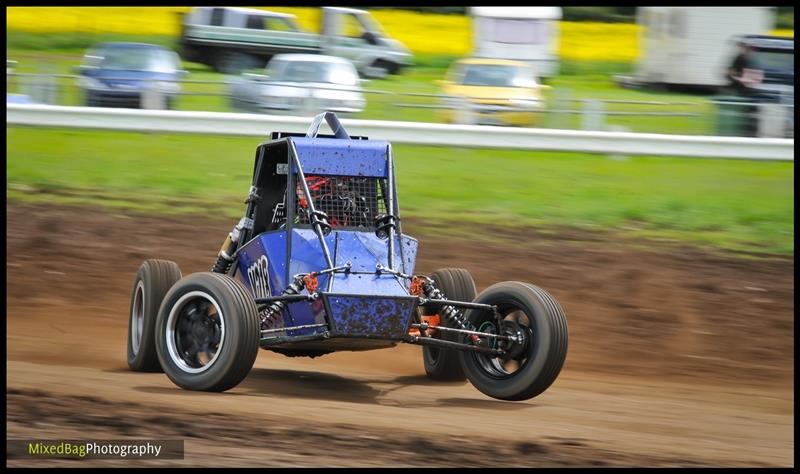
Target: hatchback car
300,84
492,92
130,75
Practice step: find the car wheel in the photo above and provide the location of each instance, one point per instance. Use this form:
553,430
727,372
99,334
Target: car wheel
234,62
533,360
208,332
444,364
380,69
153,281
91,100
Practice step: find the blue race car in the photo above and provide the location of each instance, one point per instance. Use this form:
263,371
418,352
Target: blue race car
319,263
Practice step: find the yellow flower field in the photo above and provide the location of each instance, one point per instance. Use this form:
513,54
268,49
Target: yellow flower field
422,33
590,41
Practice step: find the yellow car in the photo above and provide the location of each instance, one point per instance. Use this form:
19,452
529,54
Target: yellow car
492,92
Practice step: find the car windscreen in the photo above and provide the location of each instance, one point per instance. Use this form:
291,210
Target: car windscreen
495,75
136,59
370,24
310,71
781,61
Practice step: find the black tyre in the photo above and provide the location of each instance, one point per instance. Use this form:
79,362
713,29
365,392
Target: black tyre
532,364
234,62
92,100
207,332
152,282
380,69
445,364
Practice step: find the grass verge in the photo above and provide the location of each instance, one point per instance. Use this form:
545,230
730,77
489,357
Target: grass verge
726,204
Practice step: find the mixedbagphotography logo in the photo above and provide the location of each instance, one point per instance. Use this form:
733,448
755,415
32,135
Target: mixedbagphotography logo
95,449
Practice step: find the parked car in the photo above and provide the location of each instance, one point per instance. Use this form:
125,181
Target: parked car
232,40
300,84
774,56
483,91
11,85
130,75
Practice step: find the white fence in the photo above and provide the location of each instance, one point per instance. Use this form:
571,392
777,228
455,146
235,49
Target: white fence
215,123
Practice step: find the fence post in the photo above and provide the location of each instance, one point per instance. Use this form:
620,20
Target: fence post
51,85
36,87
593,117
562,105
153,97
787,100
771,120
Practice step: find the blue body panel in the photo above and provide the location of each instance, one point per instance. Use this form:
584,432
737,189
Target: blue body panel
307,257
330,156
271,245
369,315
381,302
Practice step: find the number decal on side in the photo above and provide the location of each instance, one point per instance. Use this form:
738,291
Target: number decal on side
259,277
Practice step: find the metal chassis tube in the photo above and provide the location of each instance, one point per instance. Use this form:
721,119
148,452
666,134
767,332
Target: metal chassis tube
429,341
391,205
417,340
313,211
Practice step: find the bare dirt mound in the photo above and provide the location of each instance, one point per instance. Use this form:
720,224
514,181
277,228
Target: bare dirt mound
631,310
649,326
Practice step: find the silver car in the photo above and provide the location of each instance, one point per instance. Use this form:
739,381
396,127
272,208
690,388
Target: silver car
300,84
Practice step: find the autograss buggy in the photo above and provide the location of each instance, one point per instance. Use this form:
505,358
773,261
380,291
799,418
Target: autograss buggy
318,264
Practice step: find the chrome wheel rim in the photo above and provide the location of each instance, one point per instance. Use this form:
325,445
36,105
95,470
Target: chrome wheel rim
195,332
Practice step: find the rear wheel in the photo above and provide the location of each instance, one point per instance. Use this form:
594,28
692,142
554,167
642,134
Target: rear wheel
444,364
234,62
92,100
534,360
380,69
153,281
207,332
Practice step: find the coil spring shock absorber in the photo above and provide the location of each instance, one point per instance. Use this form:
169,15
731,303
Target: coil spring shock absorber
277,307
224,261
225,257
227,252
451,313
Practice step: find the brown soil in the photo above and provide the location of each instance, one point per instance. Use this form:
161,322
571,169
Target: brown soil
677,357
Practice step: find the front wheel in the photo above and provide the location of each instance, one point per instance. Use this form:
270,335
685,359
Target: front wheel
534,359
207,332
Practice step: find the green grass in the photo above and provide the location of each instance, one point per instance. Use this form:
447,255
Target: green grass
76,42
726,204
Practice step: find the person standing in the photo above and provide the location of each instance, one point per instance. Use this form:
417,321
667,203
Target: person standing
743,76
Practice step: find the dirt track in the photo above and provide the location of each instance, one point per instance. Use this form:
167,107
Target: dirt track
677,357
